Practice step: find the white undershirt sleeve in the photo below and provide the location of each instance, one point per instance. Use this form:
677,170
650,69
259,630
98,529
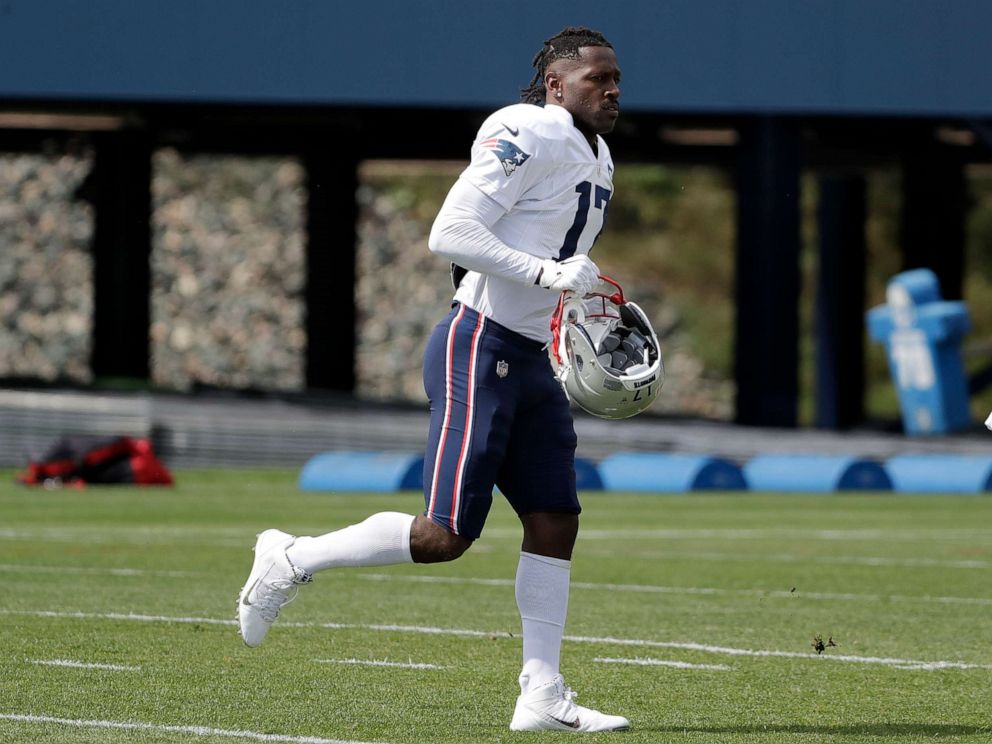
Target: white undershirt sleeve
462,233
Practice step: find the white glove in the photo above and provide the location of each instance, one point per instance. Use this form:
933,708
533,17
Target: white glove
577,273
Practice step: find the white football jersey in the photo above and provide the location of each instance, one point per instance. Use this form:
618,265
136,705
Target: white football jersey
555,190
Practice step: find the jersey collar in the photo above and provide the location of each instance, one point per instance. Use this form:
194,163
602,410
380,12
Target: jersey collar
562,113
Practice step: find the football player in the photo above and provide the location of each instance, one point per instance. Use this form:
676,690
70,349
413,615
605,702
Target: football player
517,227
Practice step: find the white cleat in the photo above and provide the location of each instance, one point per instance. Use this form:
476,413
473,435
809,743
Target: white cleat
552,707
271,586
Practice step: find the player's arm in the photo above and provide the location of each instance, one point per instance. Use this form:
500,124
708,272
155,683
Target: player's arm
462,233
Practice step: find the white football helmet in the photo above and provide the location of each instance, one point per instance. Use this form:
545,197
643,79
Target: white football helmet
605,353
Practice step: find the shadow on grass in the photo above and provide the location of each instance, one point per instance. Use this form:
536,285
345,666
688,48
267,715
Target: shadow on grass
935,730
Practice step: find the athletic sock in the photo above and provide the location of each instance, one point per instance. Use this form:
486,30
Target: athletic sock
542,598
380,540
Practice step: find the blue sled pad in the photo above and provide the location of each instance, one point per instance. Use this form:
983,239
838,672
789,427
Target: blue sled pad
587,476
669,473
815,473
940,473
363,471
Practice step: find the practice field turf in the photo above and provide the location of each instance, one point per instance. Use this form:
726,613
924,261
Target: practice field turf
694,616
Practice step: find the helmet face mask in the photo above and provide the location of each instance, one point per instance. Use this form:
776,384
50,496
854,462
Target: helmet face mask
608,361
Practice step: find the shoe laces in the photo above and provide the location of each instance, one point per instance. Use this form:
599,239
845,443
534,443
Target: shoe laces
272,596
566,705
566,692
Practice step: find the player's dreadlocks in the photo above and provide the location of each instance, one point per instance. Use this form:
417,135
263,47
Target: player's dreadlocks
563,45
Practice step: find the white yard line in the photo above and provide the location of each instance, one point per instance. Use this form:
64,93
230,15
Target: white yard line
692,590
664,663
126,616
29,569
172,729
793,558
238,536
894,534
382,663
640,588
688,555
910,664
138,531
84,665
164,535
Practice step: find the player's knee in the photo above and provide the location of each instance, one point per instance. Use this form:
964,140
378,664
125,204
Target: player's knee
439,552
550,533
431,543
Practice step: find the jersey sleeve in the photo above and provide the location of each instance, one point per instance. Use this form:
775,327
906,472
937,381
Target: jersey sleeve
508,157
462,233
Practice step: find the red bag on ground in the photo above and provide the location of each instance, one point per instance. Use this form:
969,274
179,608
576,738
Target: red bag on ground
76,461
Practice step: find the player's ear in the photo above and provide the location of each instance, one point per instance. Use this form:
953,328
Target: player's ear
552,84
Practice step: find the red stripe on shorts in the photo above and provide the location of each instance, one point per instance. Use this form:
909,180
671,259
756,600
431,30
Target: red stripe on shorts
448,363
469,419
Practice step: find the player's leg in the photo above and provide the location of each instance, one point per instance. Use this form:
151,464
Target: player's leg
451,378
432,543
471,417
541,589
550,533
283,561
451,359
539,481
545,702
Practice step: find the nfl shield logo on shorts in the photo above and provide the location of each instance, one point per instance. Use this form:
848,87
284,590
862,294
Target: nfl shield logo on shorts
502,368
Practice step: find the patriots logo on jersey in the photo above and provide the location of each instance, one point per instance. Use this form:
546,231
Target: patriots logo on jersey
510,156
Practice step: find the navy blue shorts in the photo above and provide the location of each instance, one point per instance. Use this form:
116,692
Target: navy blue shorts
498,418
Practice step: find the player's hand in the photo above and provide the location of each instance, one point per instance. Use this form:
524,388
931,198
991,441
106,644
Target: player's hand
577,273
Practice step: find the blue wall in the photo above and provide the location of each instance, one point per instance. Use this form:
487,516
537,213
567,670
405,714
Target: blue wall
818,56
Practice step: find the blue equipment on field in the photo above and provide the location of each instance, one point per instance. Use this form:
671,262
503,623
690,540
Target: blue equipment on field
815,473
363,471
587,476
928,473
922,334
668,473
348,471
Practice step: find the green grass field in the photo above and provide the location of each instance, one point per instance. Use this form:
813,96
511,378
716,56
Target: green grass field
694,616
